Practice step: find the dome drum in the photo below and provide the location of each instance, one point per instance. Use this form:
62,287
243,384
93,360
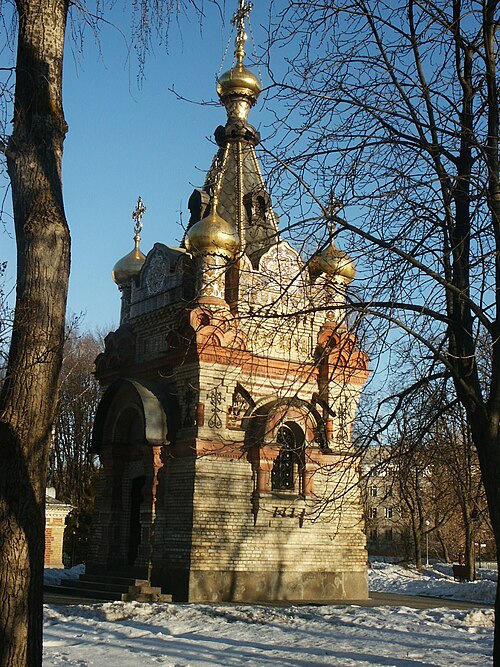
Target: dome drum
236,130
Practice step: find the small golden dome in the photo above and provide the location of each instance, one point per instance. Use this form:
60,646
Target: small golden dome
212,235
239,81
129,266
333,262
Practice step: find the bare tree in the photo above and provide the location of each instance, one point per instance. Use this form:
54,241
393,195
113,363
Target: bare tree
73,470
394,106
431,463
457,461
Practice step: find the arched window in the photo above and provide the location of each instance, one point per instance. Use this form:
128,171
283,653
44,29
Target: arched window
283,472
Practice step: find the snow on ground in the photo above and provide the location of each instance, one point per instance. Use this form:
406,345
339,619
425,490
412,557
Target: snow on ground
54,575
435,581
131,634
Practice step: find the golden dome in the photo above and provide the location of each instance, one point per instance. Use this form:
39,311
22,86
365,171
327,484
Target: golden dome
212,235
129,266
239,81
333,262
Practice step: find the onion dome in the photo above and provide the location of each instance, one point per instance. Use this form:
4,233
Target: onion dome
130,266
212,236
239,81
333,262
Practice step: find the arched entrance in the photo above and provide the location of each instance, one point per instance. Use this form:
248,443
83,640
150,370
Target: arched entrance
129,435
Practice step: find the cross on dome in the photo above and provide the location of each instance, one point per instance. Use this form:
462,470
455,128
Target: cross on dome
243,12
137,214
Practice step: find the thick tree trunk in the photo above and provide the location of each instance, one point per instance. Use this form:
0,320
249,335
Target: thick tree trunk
470,552
28,398
487,441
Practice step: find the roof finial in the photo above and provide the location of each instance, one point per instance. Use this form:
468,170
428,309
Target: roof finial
244,9
130,265
137,214
332,208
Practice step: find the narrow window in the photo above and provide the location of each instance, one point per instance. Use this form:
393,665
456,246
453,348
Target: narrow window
282,474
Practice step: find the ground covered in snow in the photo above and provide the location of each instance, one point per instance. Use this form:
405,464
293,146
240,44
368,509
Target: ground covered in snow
435,581
129,634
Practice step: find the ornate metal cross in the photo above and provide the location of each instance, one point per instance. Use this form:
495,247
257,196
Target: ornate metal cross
139,211
243,12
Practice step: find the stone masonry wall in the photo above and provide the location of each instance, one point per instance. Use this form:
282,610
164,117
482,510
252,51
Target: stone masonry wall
267,546
54,534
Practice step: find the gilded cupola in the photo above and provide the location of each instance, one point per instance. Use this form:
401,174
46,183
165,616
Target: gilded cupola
333,262
130,266
239,88
212,235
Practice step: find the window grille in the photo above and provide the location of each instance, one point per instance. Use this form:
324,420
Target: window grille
283,474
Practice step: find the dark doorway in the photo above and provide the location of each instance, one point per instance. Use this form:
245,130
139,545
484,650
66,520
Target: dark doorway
136,498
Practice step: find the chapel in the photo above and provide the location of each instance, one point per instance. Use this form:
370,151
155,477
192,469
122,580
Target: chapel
225,430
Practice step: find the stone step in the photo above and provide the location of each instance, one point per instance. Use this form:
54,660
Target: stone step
125,581
101,587
147,597
89,593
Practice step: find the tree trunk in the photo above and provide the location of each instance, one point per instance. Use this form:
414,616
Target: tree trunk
28,398
417,544
470,552
444,547
487,441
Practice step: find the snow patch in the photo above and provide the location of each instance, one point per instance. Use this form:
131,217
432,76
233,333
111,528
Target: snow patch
128,634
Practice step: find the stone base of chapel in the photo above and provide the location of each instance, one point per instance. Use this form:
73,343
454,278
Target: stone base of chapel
262,586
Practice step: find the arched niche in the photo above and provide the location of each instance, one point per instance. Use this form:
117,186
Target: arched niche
131,412
130,434
284,436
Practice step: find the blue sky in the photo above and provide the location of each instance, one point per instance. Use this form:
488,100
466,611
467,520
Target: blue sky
125,141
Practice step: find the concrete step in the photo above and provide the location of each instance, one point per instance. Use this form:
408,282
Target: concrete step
124,581
100,587
117,588
86,593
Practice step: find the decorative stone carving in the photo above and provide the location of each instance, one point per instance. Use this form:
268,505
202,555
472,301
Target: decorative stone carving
279,283
211,276
119,350
156,271
215,398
